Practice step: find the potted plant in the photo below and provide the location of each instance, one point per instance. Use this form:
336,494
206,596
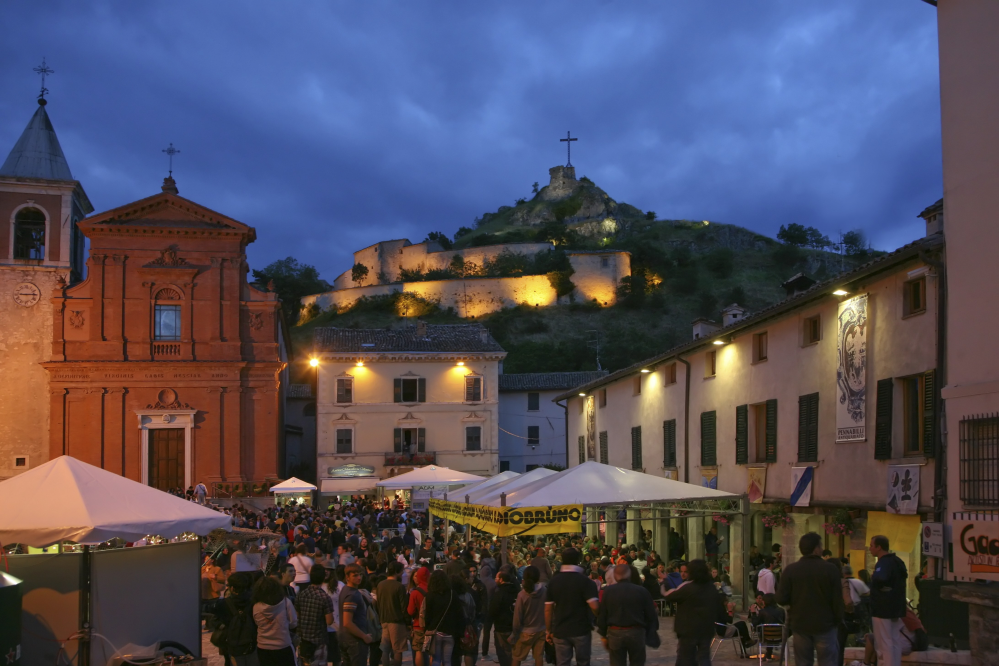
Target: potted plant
777,517
841,523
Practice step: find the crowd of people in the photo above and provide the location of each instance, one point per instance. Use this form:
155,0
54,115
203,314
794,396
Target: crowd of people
363,582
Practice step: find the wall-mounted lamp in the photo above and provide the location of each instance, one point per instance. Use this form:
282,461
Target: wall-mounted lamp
719,342
460,363
582,395
646,371
360,364
314,362
840,292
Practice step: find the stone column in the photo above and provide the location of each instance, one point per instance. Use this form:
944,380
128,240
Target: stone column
633,526
983,619
695,538
737,549
592,526
792,533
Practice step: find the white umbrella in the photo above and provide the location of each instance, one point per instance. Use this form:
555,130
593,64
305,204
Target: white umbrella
488,483
429,476
493,494
68,500
292,485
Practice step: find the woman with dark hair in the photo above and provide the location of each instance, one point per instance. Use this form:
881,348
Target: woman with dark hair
529,619
699,605
275,617
442,617
408,538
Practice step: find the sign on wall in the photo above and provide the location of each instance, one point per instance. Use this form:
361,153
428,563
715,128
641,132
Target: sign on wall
512,521
976,549
851,372
757,484
351,470
903,489
933,540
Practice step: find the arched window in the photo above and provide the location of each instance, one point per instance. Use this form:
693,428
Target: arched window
166,323
29,234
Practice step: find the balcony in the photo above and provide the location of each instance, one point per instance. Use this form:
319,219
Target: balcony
410,459
163,349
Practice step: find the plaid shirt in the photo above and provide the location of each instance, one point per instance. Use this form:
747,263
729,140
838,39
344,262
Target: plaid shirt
313,604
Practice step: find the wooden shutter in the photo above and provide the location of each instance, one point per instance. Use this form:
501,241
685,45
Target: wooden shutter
669,443
883,419
772,430
421,389
742,434
604,454
582,449
808,428
930,413
636,447
397,439
709,440
421,440
397,389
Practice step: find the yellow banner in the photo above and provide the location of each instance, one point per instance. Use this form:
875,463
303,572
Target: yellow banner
902,531
512,521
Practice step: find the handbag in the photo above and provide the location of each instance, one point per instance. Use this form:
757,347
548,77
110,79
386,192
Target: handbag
428,640
469,640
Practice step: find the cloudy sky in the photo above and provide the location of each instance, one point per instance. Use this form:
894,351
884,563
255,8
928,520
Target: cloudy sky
331,125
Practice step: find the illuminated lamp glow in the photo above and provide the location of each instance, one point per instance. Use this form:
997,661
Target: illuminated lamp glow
645,371
840,292
719,342
314,362
461,363
582,395
360,364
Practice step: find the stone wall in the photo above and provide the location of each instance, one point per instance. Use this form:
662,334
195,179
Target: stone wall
25,343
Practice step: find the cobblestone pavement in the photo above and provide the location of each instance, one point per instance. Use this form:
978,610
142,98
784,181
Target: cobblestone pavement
666,654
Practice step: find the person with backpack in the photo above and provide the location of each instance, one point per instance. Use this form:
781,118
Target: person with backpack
315,614
235,634
275,617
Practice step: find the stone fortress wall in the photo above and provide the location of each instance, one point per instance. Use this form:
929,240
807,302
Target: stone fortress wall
597,276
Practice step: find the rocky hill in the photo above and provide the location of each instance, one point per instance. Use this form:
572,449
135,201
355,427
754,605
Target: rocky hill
681,269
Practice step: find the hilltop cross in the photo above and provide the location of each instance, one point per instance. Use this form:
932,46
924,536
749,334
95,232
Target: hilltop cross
44,70
171,151
568,148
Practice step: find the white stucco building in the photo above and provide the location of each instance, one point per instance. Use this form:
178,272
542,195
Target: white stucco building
531,424
390,400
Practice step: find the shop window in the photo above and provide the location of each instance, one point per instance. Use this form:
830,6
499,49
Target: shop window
29,234
533,402
914,294
473,438
410,389
344,440
473,388
344,390
167,322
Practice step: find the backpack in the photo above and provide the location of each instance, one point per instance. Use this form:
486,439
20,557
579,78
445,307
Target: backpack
373,620
241,631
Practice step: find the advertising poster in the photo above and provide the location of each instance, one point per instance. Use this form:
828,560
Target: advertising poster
976,549
851,371
709,478
757,484
903,489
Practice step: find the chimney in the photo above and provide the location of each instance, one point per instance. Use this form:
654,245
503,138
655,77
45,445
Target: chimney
483,335
704,328
934,218
421,328
733,314
797,284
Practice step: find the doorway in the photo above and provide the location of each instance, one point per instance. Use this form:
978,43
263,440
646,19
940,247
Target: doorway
166,458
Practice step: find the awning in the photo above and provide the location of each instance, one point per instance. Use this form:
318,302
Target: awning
348,485
292,485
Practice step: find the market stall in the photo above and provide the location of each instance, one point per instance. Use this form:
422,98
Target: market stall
293,490
66,501
424,483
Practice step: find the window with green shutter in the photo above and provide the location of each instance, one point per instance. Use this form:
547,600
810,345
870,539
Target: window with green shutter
742,434
709,440
636,448
883,419
604,454
808,428
929,413
582,449
772,428
669,443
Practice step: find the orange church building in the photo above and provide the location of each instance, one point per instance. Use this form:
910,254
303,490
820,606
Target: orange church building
166,363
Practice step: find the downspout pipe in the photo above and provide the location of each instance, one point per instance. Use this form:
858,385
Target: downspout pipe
686,419
939,264
565,410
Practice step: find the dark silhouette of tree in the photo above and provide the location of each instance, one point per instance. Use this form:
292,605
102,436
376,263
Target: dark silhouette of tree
292,281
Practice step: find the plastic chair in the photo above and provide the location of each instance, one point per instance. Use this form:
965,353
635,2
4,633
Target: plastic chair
731,633
772,636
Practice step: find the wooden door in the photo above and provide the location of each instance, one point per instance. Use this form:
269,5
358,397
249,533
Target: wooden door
166,458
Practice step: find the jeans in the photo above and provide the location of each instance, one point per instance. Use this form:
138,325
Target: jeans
443,649
581,645
352,651
888,640
824,645
282,657
504,649
332,649
626,646
693,651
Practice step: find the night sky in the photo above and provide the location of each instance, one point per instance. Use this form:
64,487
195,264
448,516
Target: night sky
332,125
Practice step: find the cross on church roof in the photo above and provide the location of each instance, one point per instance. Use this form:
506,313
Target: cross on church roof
43,70
568,148
171,151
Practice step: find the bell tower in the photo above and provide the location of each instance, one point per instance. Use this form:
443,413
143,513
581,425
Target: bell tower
41,252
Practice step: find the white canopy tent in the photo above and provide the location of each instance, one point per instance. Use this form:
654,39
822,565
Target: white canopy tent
489,495
488,483
293,485
68,500
431,475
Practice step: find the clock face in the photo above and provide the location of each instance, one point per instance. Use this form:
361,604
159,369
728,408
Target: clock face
26,294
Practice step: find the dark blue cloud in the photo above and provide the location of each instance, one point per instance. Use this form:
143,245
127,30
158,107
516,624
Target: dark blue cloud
329,126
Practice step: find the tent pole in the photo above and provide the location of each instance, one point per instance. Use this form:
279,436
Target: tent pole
744,506
447,541
503,542
468,528
86,563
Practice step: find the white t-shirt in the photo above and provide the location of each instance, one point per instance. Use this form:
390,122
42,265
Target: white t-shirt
303,565
857,588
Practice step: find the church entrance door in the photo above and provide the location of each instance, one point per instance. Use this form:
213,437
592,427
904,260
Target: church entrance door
166,458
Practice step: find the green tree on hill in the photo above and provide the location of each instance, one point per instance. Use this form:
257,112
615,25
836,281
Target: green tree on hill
292,281
358,272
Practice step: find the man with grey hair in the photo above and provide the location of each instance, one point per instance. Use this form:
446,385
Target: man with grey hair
626,615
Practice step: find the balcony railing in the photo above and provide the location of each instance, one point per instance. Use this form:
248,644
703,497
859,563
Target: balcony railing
410,458
166,349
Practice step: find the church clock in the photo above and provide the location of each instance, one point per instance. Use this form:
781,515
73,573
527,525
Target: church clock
26,294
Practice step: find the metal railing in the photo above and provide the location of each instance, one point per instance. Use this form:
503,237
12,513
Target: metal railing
979,460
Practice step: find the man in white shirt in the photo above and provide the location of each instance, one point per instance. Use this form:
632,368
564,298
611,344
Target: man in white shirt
765,583
201,492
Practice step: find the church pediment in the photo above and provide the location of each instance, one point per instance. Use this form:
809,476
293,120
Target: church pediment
165,211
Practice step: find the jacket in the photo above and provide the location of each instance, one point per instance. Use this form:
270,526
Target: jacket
698,607
274,624
673,580
544,566
814,590
529,612
626,605
443,613
888,587
501,607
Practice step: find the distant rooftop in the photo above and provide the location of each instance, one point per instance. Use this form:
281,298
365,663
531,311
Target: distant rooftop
548,381
37,154
422,338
